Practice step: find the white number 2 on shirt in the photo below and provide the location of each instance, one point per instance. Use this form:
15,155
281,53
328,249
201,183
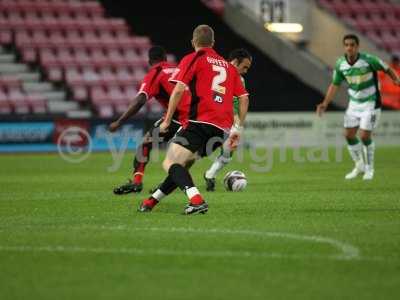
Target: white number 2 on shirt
217,80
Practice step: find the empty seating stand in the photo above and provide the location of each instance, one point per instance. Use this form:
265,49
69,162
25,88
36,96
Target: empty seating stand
379,20
98,58
215,5
13,98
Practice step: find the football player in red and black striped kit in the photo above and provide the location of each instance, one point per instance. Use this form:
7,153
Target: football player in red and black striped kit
213,82
154,85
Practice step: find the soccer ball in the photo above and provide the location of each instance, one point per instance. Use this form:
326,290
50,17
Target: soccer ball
235,181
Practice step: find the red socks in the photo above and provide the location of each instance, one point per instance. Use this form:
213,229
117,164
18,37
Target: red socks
151,202
137,178
196,200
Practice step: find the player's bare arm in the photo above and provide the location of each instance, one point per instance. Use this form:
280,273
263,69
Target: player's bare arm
236,131
330,95
133,108
243,108
174,100
395,77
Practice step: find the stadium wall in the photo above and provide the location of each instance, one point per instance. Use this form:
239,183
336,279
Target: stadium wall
308,130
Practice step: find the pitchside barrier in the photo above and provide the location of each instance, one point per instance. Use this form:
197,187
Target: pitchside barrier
291,129
305,129
53,135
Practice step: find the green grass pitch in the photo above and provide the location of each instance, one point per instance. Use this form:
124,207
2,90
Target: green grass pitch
298,232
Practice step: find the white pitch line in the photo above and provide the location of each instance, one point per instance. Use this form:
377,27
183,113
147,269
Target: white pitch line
347,251
162,252
191,253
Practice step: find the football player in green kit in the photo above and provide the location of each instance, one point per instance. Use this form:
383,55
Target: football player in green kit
242,60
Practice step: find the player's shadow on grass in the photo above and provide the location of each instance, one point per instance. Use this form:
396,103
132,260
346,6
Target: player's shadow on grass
306,186
343,210
165,207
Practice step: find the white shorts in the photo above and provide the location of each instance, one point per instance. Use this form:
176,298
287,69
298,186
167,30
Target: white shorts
366,119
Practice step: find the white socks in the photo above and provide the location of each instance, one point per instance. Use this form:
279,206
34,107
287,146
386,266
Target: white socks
218,164
158,195
369,152
191,192
355,152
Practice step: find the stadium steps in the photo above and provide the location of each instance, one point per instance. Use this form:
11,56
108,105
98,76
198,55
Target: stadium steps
57,96
29,76
4,58
60,107
11,68
39,87
32,83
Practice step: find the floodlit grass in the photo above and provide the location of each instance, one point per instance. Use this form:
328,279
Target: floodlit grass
299,231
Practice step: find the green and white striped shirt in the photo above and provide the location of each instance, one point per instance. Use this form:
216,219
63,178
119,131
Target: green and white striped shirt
361,77
236,99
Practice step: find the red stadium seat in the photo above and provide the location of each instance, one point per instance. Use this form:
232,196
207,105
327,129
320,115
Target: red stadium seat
19,102
104,110
28,55
98,94
54,72
117,25
93,9
66,57
390,41
37,103
125,78
393,21
365,24
73,76
371,17
98,57
373,36
10,82
47,56
120,107
79,92
116,94
73,42
5,37
5,105
380,22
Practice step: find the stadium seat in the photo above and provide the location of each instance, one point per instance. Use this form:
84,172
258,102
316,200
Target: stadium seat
74,42
104,110
19,102
5,106
390,41
374,36
365,24
379,20
216,5
37,103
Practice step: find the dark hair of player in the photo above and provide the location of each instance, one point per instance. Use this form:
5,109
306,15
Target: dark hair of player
351,37
157,54
240,55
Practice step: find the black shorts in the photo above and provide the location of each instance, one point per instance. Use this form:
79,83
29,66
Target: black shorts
154,131
201,138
